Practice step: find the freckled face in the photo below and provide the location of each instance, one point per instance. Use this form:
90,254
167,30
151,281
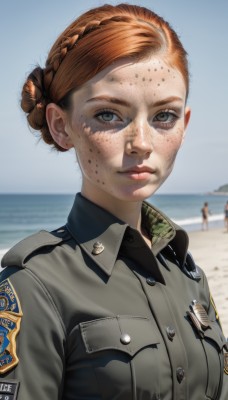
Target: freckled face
126,125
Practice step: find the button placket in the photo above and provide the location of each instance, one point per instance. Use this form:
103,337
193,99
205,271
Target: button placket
161,307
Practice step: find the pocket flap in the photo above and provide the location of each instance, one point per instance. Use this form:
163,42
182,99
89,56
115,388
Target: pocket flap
123,333
216,335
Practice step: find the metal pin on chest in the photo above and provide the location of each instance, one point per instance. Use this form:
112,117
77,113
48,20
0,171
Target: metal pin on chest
201,314
97,248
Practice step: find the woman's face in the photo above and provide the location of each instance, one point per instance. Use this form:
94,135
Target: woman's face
126,125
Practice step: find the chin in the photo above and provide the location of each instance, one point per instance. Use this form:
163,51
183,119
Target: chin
140,194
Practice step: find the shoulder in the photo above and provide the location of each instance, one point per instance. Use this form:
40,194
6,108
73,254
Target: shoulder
19,254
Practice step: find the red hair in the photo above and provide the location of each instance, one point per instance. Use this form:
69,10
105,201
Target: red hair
91,43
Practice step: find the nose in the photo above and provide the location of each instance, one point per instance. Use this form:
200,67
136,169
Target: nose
139,140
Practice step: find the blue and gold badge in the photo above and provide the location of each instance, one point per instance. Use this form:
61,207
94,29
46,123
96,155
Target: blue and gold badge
10,319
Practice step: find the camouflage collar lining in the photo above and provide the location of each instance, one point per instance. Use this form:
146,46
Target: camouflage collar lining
156,224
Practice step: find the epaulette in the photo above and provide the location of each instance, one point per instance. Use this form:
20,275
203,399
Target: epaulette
19,254
189,267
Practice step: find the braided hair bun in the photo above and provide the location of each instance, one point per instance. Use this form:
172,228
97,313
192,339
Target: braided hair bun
33,103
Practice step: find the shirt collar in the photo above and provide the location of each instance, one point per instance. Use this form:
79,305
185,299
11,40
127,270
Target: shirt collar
90,225
163,231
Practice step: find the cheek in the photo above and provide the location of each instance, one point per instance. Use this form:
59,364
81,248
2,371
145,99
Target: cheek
94,150
168,146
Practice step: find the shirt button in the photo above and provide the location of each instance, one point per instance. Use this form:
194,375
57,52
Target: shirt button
125,338
180,374
170,332
150,281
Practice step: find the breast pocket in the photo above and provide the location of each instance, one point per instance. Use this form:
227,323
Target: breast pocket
123,352
213,343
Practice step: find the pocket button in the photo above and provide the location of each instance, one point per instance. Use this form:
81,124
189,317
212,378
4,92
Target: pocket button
180,374
125,338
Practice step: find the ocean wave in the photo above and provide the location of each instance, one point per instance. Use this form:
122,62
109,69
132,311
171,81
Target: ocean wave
198,220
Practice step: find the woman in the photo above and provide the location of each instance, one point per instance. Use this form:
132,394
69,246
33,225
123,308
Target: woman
111,306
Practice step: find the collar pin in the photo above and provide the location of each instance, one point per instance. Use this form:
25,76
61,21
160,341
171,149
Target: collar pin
97,248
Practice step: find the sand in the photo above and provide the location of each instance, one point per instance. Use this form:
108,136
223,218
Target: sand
210,252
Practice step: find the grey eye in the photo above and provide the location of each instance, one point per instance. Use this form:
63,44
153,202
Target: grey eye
107,116
163,117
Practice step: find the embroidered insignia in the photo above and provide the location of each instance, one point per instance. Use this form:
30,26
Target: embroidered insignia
10,319
8,298
8,389
226,363
214,306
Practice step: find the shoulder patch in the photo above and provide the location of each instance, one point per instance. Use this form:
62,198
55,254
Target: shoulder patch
10,320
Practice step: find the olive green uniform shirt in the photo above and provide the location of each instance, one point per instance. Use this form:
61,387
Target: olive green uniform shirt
103,316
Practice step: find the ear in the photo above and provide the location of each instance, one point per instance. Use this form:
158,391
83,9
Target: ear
187,115
56,120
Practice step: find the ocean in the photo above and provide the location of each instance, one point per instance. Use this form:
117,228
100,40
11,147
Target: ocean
23,214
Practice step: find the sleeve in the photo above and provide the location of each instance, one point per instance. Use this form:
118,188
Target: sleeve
214,316
33,338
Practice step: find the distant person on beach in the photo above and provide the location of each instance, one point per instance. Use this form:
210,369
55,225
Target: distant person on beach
205,213
111,305
226,215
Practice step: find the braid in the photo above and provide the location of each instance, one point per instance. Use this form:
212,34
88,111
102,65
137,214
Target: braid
60,50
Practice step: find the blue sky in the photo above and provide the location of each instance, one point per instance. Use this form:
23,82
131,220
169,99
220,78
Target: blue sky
28,28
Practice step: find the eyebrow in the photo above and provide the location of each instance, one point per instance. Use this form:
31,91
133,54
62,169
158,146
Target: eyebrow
113,100
125,103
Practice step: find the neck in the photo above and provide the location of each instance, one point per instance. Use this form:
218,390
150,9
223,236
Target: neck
129,212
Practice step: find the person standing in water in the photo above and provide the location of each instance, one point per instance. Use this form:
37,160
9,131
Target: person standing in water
205,214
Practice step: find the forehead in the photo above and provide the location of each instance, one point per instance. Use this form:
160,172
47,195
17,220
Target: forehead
152,76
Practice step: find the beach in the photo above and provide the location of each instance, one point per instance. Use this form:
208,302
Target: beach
210,252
